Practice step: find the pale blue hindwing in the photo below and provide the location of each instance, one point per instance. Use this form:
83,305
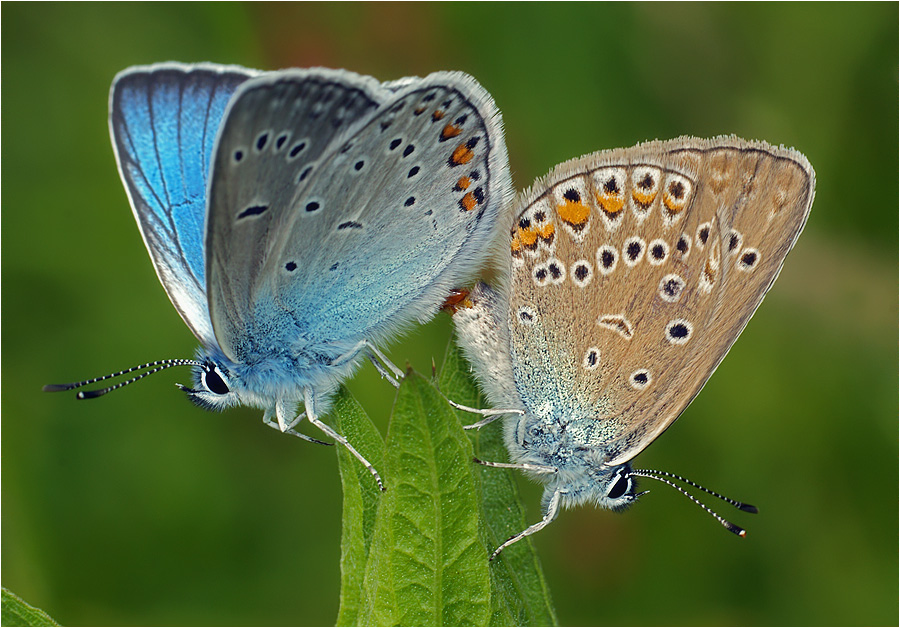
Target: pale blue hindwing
163,121
341,210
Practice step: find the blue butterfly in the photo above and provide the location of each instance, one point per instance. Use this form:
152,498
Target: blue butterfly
297,219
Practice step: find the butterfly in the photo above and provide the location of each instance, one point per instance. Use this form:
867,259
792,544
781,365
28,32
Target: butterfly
298,219
628,275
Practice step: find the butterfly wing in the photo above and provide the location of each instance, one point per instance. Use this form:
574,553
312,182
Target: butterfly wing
163,121
343,209
635,271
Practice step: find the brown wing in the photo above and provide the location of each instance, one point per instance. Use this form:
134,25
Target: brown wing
635,270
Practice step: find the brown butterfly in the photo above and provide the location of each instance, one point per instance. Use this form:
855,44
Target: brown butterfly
629,275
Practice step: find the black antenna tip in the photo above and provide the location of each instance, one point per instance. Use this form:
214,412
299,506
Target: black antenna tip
91,394
741,532
747,508
56,387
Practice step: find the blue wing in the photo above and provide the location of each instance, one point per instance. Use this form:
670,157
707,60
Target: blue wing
342,209
163,121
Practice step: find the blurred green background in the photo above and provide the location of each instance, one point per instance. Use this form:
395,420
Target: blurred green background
142,509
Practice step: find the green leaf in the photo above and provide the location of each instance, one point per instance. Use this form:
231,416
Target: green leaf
426,565
17,612
418,553
519,590
361,498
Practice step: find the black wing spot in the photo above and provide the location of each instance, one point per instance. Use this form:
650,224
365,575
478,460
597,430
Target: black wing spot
359,165
607,258
261,141
395,143
572,195
312,206
297,149
238,155
412,172
350,224
410,201
749,259
290,267
408,150
633,250
255,210
304,174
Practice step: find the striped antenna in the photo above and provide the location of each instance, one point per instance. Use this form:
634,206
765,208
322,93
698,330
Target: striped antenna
154,367
661,476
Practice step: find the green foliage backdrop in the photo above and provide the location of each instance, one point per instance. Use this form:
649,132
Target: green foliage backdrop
141,509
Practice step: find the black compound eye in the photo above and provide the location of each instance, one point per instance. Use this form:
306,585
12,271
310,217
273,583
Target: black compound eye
619,488
214,382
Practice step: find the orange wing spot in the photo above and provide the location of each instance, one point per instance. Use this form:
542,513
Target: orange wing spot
546,232
611,203
528,237
451,130
516,245
468,201
462,155
642,198
437,115
709,272
463,183
672,204
575,213
419,110
457,300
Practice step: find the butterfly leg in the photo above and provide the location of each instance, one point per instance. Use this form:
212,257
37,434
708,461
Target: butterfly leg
490,414
311,415
383,372
277,422
552,511
536,468
394,376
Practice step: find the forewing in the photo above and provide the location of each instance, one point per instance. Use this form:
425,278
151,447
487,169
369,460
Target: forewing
163,121
396,205
639,268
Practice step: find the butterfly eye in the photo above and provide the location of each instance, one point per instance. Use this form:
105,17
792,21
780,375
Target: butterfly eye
620,487
214,382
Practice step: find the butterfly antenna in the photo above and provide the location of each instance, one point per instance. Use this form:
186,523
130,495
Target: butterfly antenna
657,475
155,367
733,502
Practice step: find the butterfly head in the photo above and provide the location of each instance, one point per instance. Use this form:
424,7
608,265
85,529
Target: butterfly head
613,488
213,388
